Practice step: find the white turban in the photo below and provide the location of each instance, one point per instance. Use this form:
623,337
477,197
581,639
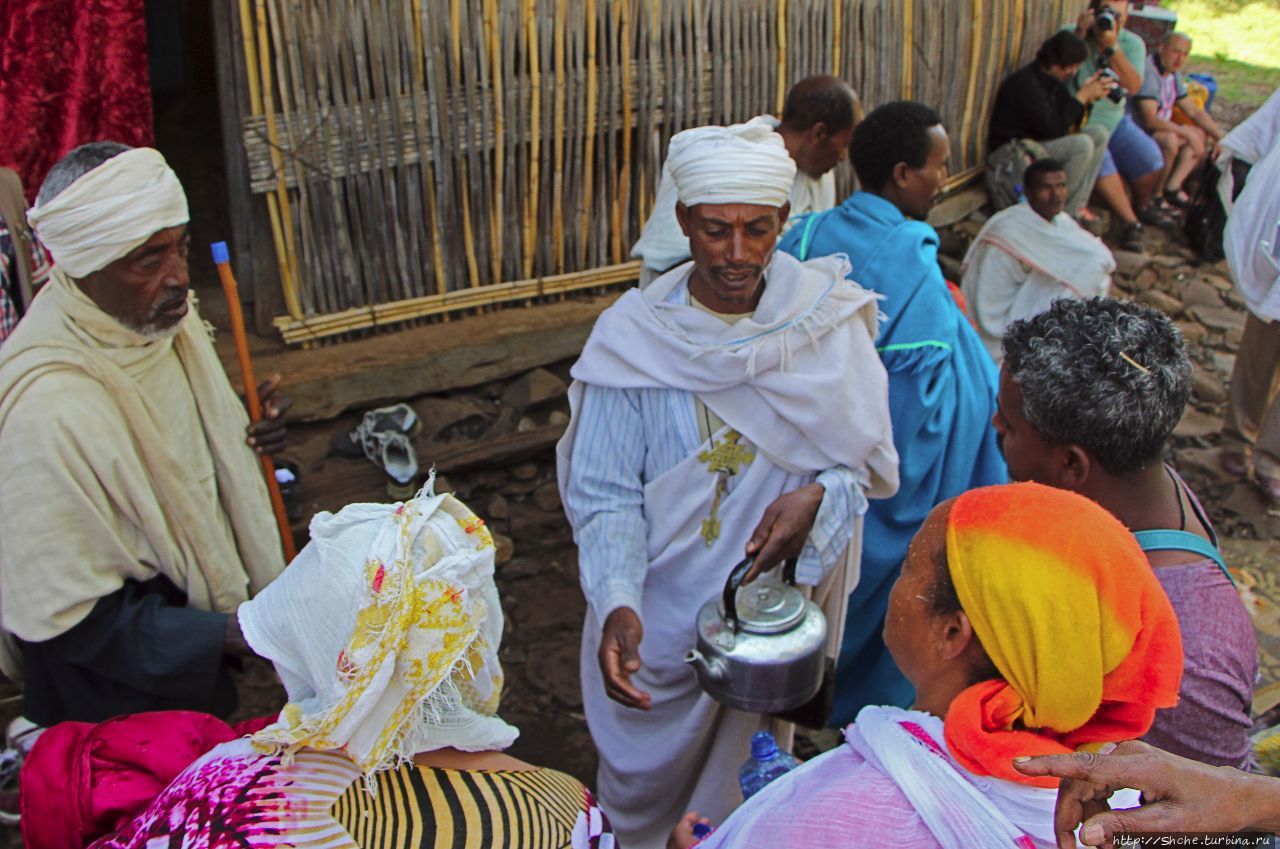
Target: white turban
110,211
744,163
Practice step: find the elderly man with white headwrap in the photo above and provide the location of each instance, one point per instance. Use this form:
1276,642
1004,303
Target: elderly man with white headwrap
735,404
134,518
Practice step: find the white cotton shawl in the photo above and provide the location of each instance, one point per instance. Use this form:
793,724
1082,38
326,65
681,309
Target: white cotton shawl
1061,249
1056,259
800,378
1254,136
1249,142
385,630
112,499
1252,238
110,211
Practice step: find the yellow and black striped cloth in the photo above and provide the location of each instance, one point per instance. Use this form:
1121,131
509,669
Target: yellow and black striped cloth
417,806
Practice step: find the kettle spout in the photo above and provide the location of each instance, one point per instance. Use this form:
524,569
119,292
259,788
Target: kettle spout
713,670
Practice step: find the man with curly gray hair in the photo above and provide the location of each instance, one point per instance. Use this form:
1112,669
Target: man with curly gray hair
1089,392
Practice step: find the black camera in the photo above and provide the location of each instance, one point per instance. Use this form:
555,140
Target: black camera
1117,93
1105,18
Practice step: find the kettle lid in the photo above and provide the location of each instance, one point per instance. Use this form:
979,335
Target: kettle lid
769,607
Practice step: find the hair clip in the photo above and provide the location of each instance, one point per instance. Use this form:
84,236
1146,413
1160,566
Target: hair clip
1131,361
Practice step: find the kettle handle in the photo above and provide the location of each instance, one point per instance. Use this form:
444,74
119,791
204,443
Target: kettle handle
730,597
789,572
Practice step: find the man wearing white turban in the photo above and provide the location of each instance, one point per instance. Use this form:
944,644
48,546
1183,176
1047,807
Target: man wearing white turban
734,405
134,519
817,124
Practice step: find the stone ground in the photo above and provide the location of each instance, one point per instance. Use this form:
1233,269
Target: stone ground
494,446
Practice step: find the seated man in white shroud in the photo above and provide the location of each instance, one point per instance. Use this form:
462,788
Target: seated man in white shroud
1029,255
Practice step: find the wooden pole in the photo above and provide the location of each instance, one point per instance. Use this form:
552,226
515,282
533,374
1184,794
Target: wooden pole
837,42
285,218
248,27
557,139
529,11
975,60
782,56
589,156
222,259
908,47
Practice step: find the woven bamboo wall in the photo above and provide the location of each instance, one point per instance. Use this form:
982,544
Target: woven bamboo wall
426,156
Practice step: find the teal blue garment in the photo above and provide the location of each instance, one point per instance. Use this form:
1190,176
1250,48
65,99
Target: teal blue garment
942,390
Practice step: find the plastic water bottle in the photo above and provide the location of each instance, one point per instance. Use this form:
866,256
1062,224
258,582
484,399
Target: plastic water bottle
764,765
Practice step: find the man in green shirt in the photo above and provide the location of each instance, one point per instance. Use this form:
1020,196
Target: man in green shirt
1131,153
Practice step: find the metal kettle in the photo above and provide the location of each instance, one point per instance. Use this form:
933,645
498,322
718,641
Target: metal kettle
760,647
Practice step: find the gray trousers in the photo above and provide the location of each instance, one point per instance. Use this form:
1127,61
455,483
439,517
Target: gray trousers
1081,154
1253,416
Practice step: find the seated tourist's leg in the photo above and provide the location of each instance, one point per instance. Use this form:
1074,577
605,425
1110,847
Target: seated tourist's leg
1076,153
1171,145
1138,159
1100,136
1110,188
1193,152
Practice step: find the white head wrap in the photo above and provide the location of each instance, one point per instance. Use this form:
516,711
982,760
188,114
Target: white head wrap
744,163
110,211
385,631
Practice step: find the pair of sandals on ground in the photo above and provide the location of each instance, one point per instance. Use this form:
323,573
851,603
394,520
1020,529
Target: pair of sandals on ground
385,436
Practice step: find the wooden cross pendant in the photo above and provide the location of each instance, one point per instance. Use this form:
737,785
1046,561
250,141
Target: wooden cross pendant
723,459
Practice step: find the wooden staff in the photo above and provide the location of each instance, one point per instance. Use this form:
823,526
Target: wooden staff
222,258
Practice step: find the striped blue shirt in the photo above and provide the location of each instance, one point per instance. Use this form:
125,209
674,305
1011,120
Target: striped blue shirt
628,437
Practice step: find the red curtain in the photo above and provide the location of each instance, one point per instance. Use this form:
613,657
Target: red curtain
71,72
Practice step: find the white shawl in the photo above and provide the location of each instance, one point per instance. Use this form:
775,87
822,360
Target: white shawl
800,378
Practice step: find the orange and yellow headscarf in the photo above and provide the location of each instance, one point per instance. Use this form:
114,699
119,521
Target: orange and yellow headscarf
1070,613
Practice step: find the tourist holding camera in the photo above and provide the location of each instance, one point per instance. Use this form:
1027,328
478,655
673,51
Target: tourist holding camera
1131,154
1035,116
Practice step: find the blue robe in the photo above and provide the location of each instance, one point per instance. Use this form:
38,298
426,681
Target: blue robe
942,390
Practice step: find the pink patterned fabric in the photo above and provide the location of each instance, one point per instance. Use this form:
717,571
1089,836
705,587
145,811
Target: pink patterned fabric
83,780
225,803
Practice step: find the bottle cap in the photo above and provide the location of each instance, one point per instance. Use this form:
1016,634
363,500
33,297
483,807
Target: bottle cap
701,830
763,745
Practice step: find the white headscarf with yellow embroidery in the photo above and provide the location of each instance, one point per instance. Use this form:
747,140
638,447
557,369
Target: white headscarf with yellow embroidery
385,631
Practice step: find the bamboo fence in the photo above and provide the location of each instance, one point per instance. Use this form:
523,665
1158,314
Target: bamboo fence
424,157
